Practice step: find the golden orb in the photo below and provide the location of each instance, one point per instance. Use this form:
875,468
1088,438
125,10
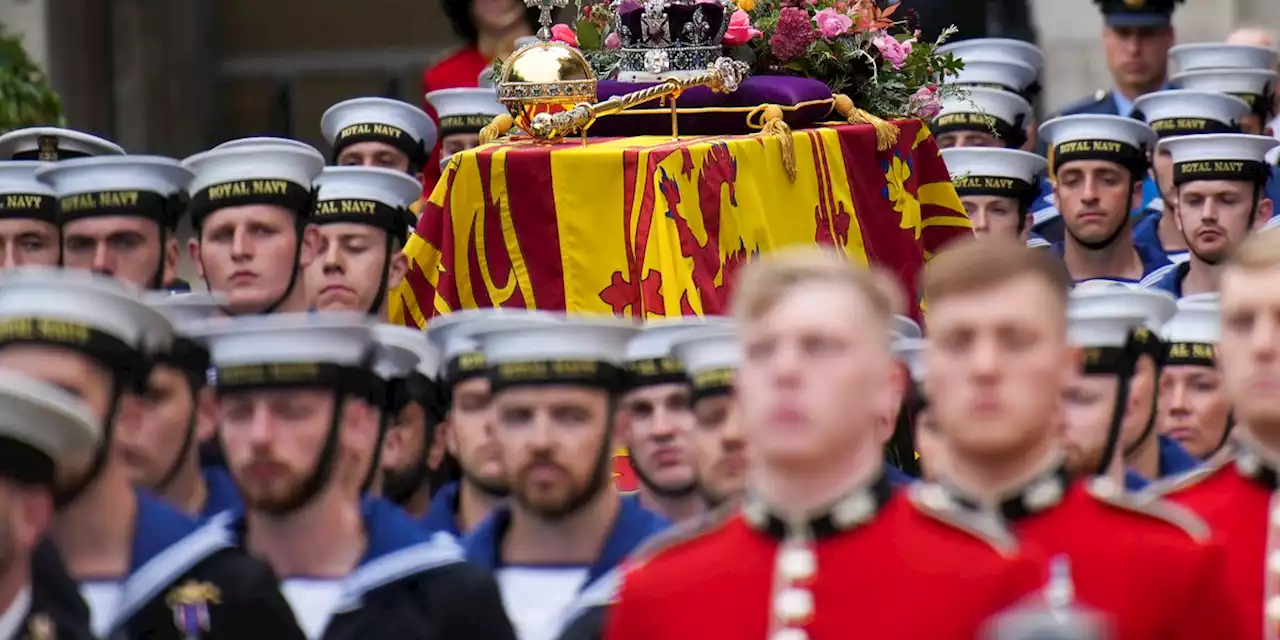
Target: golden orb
544,77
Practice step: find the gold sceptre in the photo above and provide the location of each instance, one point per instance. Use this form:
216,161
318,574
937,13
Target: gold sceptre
724,75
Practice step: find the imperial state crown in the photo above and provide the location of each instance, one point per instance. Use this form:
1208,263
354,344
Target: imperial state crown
669,38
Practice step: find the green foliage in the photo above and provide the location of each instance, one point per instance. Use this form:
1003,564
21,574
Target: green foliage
25,96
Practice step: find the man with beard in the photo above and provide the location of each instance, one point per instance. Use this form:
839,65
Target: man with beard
710,358
414,462
398,352
1097,164
119,216
293,393
1174,113
362,217
1219,180
159,442
250,207
556,545
655,419
143,568
999,358
997,187
1193,407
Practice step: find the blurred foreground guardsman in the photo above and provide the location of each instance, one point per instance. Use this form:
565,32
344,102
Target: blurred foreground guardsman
1194,411
291,403
814,387
998,360
555,546
710,358
1235,490
40,425
144,569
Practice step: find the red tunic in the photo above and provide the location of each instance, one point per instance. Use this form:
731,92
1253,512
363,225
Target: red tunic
909,572
460,70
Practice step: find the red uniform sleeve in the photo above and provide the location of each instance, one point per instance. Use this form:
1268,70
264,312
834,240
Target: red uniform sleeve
624,619
1213,612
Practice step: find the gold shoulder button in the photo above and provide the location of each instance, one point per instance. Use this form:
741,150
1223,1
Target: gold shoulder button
934,501
1109,492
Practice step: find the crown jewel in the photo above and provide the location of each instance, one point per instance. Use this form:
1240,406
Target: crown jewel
667,38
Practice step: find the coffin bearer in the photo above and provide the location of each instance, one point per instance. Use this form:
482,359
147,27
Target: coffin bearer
119,215
29,234
53,144
379,132
1193,407
997,187
362,216
250,207
463,112
1219,180
710,358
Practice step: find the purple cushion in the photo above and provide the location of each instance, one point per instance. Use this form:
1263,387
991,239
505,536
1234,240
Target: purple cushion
702,111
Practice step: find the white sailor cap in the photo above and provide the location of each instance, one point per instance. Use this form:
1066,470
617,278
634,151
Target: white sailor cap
1095,137
587,351
1101,296
1198,321
465,110
1220,156
286,349
999,172
187,308
276,174
402,351
1218,55
1180,112
995,50
117,185
453,335
711,357
649,357
257,141
902,327
989,110
1009,75
1250,85
84,311
399,124
40,425
366,195
911,352
51,144
22,195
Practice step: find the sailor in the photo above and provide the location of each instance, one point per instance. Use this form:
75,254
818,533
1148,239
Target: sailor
363,218
250,207
379,132
1146,565
555,546
463,112
1193,407
458,507
144,568
929,447
1179,112
1235,490
710,357
1245,71
997,187
54,144
292,397
119,216
399,351
29,234
1136,39
901,457
40,425
655,419
813,388
1219,180
1097,164
414,461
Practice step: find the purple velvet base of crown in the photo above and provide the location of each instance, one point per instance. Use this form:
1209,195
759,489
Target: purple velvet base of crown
813,96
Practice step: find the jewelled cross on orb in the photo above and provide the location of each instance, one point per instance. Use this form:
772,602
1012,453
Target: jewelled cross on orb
545,7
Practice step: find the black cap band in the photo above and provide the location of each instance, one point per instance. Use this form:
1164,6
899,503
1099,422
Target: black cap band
1121,153
993,186
1010,133
163,210
1233,170
471,123
395,221
1190,353
281,193
712,382
25,464
654,371
356,381
117,356
1169,127
29,206
585,373
386,134
465,367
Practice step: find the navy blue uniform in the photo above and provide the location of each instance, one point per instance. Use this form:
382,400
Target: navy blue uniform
442,514
221,492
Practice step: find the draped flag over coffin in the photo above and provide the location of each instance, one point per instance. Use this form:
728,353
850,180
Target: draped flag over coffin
648,226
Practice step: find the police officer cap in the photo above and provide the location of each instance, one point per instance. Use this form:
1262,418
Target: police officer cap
117,185
579,351
1220,156
41,424
1009,75
710,357
22,196
1250,85
997,50
1137,13
393,122
51,144
976,110
911,352
1217,55
465,110
1197,321
980,169
1179,112
402,351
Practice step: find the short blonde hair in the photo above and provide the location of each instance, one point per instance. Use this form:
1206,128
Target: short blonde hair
764,283
1260,250
972,265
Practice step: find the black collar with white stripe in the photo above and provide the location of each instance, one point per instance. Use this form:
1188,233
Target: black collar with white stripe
856,508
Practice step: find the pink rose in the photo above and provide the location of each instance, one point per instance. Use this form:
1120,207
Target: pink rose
740,30
925,102
562,33
894,52
612,41
832,23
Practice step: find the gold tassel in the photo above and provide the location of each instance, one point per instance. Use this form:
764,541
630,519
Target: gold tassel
499,127
775,126
886,132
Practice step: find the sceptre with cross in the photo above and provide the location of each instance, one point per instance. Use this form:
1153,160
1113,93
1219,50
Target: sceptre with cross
545,7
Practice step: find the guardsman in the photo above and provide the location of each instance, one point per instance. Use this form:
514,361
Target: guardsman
997,187
293,393
1219,180
144,569
463,112
54,144
119,216
250,207
555,546
1245,71
1178,112
29,234
41,426
655,419
710,358
1136,38
1097,164
1147,565
814,386
414,462
1193,407
379,132
362,217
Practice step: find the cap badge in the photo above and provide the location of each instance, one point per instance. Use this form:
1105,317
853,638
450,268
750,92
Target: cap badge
1134,4
190,605
48,148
